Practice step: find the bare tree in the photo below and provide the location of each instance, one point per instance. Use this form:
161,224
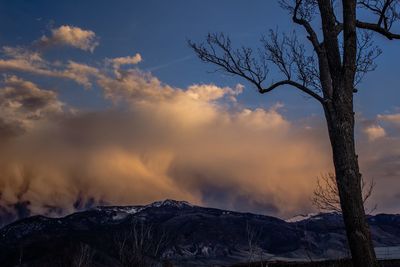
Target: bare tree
141,246
256,252
341,53
83,256
253,236
326,194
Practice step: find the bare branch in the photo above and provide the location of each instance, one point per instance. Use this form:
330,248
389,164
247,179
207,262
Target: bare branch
306,67
326,194
141,245
376,28
285,53
302,12
367,52
241,62
83,256
294,84
386,12
276,52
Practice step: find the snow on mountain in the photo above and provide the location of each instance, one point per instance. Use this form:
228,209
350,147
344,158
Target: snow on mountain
121,212
171,203
302,217
315,216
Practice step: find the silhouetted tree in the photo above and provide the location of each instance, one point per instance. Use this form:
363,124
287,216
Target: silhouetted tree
83,256
141,246
326,194
342,53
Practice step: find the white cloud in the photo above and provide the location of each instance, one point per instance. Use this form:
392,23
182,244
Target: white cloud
128,60
71,36
210,92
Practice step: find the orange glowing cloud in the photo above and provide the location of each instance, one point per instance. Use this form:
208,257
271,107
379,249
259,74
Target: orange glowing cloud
158,141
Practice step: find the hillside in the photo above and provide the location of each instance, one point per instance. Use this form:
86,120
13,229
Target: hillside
178,233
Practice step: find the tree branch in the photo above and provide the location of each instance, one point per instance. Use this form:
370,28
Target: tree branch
331,42
307,26
294,84
286,54
236,62
376,28
326,194
387,14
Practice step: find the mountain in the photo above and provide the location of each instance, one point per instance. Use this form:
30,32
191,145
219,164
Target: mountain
181,234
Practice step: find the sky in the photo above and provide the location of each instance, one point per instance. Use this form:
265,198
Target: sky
105,103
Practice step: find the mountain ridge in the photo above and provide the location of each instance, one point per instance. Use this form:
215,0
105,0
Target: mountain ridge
195,235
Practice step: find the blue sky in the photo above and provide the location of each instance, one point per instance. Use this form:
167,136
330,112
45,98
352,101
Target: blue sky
105,101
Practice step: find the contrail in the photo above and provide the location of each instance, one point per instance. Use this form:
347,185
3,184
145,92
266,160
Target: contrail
170,63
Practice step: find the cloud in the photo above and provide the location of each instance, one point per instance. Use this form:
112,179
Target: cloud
116,63
191,143
165,142
78,72
22,103
22,54
23,60
128,60
158,141
375,132
380,160
392,118
212,92
67,35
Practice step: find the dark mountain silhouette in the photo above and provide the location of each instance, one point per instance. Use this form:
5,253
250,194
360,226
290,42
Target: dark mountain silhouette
179,233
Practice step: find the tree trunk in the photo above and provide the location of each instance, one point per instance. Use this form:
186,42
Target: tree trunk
340,120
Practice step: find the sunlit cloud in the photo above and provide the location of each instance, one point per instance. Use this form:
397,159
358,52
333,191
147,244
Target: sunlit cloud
128,60
23,103
375,132
23,60
159,141
392,118
167,142
67,35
